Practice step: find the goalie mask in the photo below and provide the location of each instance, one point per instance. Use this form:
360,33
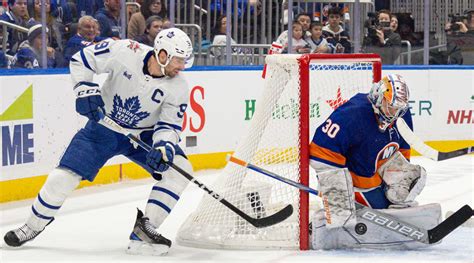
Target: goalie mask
389,98
176,44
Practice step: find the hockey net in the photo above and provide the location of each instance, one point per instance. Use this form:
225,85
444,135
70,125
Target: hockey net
299,94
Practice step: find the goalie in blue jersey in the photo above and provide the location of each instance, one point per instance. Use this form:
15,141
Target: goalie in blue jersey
144,93
359,156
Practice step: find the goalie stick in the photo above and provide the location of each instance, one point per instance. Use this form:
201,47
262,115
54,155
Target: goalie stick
427,236
256,222
426,150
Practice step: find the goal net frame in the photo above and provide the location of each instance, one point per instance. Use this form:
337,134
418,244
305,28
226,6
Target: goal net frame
199,230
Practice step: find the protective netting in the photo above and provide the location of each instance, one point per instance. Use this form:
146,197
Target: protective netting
272,143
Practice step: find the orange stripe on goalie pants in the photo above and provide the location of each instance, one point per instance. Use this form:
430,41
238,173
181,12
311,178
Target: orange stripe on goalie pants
406,153
366,182
326,154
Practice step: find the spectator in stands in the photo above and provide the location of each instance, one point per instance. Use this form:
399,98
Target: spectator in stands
167,23
219,37
137,23
334,34
316,41
382,40
154,24
298,44
460,39
29,53
87,34
56,29
4,62
88,7
65,11
394,23
296,9
109,19
304,20
17,14
218,33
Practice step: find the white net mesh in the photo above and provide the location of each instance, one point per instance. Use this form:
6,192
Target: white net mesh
272,143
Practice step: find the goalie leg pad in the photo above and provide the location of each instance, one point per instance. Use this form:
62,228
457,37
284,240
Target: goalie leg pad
338,197
404,180
165,193
367,234
59,184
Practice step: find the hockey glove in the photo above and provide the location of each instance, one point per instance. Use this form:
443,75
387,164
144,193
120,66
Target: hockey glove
88,101
404,181
161,154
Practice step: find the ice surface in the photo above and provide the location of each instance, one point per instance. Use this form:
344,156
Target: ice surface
94,225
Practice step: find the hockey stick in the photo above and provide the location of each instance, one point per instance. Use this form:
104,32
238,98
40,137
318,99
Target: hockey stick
384,220
256,222
426,150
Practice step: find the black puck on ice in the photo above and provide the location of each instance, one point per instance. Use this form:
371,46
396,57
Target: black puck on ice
360,228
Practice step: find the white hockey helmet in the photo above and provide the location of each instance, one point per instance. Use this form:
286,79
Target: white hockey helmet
176,44
389,98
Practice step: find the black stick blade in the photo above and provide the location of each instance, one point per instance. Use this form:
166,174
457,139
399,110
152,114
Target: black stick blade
448,225
273,219
448,155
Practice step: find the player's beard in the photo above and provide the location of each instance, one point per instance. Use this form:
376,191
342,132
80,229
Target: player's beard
171,73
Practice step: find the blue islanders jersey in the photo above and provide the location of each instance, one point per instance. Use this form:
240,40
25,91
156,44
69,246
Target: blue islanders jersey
350,138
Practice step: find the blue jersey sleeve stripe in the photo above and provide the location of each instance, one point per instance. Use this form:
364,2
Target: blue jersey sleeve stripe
161,128
84,59
90,84
160,204
166,191
102,52
174,126
325,162
46,204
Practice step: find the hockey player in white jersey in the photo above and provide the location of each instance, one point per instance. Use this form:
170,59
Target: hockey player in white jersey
144,93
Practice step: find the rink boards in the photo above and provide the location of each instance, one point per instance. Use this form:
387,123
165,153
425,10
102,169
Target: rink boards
38,119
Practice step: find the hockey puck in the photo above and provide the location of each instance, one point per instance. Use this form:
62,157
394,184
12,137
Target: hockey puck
360,228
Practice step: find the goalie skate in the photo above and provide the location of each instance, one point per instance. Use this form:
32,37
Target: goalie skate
19,236
144,240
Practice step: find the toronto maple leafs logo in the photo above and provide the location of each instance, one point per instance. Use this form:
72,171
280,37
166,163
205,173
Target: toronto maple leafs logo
170,34
128,113
128,76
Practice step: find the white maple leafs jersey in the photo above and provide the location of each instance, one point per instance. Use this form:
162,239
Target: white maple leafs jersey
132,97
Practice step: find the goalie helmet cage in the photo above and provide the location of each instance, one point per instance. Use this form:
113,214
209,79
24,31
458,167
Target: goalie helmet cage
300,91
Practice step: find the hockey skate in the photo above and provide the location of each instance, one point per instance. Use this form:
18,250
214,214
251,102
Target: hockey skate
19,236
144,240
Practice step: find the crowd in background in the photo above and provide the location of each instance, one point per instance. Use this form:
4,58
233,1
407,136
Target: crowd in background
73,25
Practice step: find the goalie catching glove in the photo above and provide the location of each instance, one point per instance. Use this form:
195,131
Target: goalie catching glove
404,181
89,100
161,154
